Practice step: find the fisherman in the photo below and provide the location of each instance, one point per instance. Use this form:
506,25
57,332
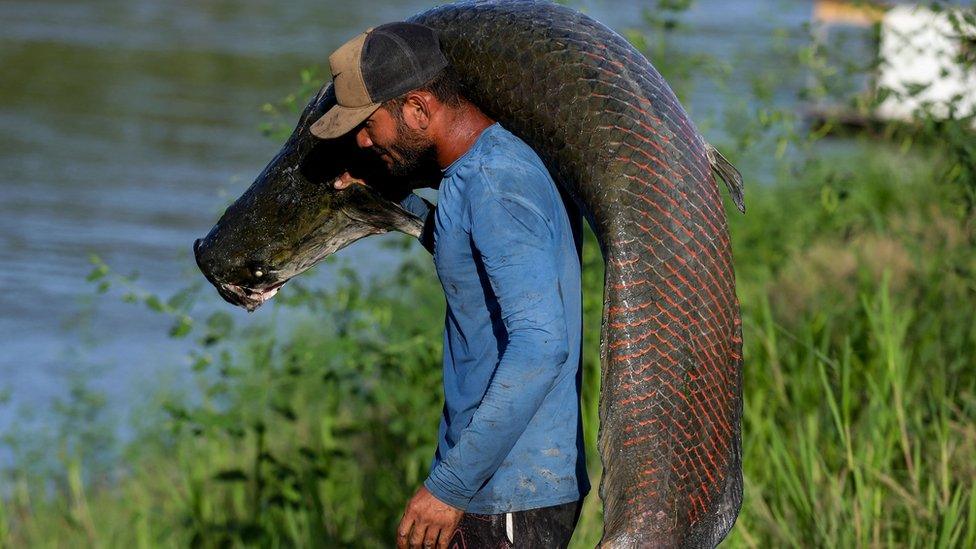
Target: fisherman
509,468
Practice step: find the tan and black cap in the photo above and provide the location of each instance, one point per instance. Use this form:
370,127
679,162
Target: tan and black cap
378,65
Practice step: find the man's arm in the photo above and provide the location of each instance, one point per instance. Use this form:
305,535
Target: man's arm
425,211
517,250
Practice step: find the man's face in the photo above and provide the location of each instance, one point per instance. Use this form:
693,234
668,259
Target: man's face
404,150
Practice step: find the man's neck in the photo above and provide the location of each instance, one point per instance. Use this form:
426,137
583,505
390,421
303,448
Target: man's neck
460,131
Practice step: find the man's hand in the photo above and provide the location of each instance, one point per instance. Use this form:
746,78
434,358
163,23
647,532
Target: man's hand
427,523
345,180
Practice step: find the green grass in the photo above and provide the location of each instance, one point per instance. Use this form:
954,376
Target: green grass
856,272
859,391
858,429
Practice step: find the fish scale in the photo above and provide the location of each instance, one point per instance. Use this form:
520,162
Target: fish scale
616,139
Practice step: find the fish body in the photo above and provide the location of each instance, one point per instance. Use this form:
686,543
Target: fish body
617,141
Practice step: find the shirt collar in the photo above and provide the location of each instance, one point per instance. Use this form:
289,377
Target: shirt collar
478,143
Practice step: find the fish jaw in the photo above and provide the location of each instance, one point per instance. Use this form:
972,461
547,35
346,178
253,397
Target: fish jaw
248,298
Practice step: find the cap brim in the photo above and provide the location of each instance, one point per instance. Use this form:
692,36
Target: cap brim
340,120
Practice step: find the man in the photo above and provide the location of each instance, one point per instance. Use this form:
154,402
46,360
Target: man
509,468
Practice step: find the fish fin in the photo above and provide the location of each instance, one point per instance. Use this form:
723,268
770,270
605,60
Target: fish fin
725,170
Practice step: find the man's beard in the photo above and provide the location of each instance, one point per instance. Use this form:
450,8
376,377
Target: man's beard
411,153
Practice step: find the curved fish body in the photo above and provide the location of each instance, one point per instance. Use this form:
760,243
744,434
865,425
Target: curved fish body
615,138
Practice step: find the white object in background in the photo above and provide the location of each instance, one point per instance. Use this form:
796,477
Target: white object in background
919,47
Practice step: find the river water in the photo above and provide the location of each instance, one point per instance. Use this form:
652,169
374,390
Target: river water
127,126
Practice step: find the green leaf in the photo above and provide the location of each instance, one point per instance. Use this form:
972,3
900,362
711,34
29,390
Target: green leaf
97,273
218,326
181,327
231,475
286,411
182,299
201,362
829,199
154,303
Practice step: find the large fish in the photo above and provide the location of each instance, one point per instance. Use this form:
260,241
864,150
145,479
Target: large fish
615,138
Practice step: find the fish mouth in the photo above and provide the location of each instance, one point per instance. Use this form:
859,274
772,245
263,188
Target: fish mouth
238,294
249,298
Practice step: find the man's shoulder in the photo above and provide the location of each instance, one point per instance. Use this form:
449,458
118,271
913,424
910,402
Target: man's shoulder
510,168
507,150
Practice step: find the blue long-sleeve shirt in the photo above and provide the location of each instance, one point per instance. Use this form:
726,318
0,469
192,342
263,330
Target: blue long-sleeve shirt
507,255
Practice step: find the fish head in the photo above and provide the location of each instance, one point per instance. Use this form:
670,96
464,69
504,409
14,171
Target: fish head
293,217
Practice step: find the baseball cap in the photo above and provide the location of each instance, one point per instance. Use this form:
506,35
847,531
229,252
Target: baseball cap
378,65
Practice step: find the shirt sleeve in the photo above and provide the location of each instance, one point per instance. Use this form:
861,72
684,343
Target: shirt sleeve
518,252
425,211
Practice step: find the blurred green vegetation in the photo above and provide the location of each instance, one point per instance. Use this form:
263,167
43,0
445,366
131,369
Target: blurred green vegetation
856,272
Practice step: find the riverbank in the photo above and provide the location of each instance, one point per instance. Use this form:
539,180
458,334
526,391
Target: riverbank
311,422
857,295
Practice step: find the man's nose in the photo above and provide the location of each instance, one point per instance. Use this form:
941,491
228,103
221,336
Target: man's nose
362,139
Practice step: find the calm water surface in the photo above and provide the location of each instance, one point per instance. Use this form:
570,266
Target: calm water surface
126,127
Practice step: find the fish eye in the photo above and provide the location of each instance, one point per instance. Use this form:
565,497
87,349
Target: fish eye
258,270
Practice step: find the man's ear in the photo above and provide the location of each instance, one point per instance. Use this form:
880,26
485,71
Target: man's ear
417,110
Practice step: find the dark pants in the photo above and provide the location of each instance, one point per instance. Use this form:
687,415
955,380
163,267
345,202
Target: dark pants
546,527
